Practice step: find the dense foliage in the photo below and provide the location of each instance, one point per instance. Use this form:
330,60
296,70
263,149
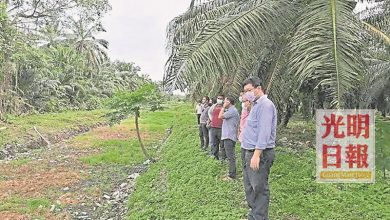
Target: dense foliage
52,60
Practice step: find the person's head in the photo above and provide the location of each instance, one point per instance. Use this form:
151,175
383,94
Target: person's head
229,101
241,96
254,85
205,100
247,100
220,99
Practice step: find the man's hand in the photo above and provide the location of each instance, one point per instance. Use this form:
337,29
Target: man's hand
220,116
226,104
255,161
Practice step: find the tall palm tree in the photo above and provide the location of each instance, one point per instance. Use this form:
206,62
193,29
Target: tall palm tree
82,36
310,42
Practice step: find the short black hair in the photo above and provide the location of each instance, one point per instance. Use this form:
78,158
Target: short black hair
231,99
221,96
254,81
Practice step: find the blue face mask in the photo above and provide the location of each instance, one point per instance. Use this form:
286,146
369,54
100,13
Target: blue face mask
250,96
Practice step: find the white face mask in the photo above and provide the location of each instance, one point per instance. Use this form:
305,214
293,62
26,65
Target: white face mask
219,101
240,99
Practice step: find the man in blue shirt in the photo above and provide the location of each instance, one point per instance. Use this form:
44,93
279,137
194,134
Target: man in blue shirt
257,149
231,120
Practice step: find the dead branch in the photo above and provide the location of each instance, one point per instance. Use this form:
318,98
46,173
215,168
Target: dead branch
43,138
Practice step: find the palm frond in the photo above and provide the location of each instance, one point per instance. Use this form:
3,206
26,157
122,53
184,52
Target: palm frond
378,32
327,48
222,45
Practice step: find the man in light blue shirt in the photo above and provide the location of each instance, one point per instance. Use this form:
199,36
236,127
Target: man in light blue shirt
257,149
231,120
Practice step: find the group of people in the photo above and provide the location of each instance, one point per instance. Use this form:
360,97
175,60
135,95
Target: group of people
221,126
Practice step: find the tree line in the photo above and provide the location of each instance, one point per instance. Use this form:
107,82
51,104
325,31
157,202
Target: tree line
51,58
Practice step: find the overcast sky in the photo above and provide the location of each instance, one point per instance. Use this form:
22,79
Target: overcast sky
136,31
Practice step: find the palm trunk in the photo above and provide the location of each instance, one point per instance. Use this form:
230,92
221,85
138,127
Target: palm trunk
288,115
139,135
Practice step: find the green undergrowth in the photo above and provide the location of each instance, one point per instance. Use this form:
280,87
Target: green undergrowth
383,146
185,184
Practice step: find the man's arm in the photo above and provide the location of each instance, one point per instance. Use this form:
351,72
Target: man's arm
229,113
265,126
210,112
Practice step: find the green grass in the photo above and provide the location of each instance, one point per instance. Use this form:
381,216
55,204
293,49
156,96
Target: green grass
20,162
24,206
383,145
296,193
185,184
117,152
128,152
158,121
20,128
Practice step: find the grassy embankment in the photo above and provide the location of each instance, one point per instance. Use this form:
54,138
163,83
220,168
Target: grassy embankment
186,184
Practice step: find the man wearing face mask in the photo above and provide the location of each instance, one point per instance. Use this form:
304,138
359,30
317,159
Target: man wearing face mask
258,149
240,97
231,119
247,100
216,129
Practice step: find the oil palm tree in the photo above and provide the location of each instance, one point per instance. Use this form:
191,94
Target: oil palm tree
375,92
308,42
82,37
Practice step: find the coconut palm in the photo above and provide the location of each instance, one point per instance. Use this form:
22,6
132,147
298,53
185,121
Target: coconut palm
315,43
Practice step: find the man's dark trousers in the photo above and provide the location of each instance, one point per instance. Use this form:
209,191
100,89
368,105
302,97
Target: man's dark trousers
230,146
256,183
204,136
215,142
